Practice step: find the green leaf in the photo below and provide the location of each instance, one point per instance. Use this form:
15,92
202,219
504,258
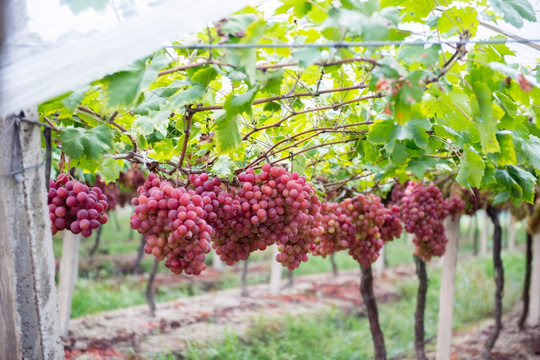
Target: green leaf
471,169
514,11
307,56
122,89
525,180
74,99
93,143
532,149
224,167
382,132
486,124
189,96
228,135
110,169
237,104
156,120
204,76
507,155
416,130
421,165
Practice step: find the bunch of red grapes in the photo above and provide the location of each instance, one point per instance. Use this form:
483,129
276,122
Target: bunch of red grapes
173,223
273,207
455,206
76,207
338,231
110,190
474,200
423,212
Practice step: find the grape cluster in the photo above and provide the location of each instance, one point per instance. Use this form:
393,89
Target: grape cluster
76,207
397,192
338,230
474,200
423,212
173,223
455,206
392,227
273,207
368,216
111,191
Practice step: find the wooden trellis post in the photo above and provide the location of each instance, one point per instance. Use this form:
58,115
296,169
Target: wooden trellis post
446,297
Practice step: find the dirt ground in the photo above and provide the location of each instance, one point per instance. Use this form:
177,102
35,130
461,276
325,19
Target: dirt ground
122,333
132,333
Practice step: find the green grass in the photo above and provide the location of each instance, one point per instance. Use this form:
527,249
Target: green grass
339,336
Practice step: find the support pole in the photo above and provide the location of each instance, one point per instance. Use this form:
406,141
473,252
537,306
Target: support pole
217,264
69,268
29,326
512,233
275,274
446,297
534,311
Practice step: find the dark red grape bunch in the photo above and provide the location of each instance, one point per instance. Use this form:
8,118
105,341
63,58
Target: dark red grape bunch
474,200
423,212
455,206
76,207
173,223
397,192
110,190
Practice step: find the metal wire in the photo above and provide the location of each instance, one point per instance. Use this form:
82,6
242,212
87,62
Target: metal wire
345,44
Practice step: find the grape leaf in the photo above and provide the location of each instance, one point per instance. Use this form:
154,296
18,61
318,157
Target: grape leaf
514,11
486,124
155,120
236,104
507,155
532,149
93,143
525,180
228,135
123,88
224,167
110,169
471,169
189,96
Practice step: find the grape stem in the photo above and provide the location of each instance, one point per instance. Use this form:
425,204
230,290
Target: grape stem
366,289
499,281
526,282
419,333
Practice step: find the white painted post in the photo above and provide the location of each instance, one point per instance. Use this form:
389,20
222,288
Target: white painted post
534,302
379,264
217,264
512,233
446,297
275,274
410,238
485,233
29,327
69,269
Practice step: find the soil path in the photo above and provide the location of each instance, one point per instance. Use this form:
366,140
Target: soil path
131,333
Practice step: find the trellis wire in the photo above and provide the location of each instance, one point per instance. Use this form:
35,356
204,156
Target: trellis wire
346,44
